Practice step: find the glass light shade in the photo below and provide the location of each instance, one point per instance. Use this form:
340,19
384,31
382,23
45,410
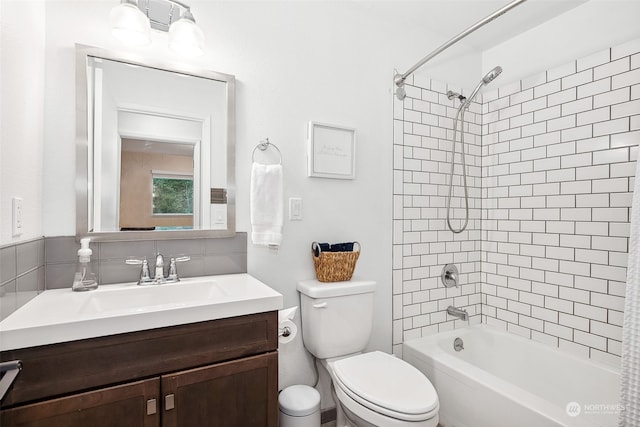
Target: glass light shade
129,24
186,38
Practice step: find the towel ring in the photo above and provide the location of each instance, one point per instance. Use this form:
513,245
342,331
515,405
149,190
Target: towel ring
263,145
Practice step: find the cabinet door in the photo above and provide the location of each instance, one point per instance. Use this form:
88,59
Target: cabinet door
241,392
131,405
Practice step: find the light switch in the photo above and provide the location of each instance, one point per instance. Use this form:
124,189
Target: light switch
17,216
295,209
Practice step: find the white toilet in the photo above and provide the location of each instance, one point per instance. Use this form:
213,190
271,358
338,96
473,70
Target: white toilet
372,389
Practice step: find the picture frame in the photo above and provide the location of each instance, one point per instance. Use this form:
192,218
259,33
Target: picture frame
331,151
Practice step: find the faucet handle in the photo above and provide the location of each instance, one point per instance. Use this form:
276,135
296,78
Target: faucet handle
173,270
145,276
450,276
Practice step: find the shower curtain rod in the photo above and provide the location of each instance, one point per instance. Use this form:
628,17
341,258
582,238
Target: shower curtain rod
399,79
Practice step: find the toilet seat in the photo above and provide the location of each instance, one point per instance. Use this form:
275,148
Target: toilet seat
387,385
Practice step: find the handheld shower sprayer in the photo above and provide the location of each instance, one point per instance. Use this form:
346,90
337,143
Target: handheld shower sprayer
492,74
488,78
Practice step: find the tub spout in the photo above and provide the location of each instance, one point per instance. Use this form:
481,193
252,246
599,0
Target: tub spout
458,312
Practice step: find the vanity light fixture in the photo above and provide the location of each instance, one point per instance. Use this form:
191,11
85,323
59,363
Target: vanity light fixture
132,20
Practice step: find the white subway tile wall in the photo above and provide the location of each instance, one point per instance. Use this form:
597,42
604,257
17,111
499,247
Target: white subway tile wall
423,134
550,213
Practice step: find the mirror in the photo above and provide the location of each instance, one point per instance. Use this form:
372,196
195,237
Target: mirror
155,149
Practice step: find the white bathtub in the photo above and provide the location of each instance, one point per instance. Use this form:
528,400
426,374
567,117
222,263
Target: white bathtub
503,380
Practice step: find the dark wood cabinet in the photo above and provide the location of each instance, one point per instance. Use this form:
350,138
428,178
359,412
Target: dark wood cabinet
217,373
237,393
133,404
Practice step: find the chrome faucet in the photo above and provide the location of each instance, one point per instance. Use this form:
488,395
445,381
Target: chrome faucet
449,276
159,277
458,312
159,274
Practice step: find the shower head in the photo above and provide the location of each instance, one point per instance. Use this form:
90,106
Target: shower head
488,78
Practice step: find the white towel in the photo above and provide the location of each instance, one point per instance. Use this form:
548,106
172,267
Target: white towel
266,204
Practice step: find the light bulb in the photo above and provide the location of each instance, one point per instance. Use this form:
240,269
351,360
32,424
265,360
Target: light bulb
129,24
186,37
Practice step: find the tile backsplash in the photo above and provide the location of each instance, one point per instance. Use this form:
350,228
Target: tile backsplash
208,257
558,159
21,274
28,268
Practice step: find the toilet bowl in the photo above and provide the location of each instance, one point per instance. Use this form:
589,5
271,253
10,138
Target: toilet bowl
372,389
377,389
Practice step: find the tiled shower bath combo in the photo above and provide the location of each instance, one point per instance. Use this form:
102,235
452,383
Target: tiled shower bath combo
551,166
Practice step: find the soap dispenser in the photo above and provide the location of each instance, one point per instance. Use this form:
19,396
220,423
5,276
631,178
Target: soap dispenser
84,279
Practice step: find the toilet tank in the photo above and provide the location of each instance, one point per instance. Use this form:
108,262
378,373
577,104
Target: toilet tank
336,317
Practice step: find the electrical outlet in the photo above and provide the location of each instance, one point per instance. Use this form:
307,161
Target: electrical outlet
17,216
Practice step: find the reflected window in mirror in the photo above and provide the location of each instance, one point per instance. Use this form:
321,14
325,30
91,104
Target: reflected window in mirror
156,185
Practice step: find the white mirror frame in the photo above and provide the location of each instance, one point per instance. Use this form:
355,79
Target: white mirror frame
82,148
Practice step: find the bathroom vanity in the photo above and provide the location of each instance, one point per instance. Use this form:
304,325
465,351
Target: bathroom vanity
220,371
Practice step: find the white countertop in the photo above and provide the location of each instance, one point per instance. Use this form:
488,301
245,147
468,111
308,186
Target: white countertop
62,315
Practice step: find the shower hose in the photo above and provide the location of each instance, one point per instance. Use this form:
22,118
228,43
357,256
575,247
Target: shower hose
459,114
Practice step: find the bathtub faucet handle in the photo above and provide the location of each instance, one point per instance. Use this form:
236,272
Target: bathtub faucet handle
450,276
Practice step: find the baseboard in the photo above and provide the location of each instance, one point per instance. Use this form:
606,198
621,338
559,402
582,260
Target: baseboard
327,416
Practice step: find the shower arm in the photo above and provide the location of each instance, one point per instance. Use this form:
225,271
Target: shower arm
399,79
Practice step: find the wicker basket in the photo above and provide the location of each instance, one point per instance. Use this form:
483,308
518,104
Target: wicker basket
334,266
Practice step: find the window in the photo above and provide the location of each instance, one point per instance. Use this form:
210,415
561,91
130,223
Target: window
172,194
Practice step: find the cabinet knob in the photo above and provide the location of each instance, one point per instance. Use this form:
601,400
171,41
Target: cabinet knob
151,407
169,402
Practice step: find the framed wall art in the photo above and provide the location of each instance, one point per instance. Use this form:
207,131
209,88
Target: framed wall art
331,151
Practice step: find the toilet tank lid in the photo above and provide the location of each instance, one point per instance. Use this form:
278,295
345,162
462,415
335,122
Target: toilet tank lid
316,289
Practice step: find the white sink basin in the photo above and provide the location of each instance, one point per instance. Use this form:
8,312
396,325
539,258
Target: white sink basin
154,297
62,315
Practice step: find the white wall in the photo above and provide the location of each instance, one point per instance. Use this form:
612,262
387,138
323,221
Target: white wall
589,28
21,122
